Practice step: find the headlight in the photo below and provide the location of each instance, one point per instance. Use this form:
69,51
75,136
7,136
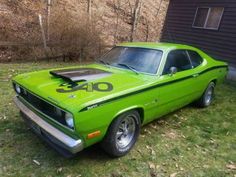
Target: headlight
69,120
18,89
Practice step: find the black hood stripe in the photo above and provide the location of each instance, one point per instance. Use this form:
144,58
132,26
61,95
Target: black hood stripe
148,88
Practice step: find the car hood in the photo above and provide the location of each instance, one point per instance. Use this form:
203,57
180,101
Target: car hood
82,85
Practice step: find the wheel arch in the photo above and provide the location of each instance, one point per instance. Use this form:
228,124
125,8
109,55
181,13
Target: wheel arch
213,80
138,108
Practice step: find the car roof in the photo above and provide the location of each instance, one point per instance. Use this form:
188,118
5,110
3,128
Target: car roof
157,45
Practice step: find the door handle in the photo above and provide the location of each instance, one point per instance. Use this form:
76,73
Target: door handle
196,75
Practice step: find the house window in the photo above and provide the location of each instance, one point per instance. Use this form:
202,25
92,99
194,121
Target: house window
208,17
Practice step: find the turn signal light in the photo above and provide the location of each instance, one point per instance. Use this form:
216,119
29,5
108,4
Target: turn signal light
94,134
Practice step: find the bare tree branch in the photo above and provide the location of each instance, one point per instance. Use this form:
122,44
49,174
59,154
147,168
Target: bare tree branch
158,10
136,12
89,10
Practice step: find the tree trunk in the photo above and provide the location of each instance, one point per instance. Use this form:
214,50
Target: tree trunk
158,10
147,30
116,10
89,10
135,16
48,19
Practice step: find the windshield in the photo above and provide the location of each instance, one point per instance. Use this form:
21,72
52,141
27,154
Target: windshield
132,58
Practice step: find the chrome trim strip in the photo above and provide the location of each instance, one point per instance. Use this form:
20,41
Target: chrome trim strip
71,144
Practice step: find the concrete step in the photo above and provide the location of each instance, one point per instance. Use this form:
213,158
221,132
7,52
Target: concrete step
232,73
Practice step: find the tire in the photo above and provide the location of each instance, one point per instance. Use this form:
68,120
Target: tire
207,97
122,134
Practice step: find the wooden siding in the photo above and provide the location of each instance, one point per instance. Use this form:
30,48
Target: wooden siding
220,44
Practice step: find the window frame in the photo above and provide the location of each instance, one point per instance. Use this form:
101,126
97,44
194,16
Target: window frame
207,17
185,50
146,73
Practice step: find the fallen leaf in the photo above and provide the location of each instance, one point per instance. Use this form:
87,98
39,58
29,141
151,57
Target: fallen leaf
36,162
172,134
153,152
151,149
174,158
154,127
147,131
59,170
176,115
173,174
151,165
176,165
231,166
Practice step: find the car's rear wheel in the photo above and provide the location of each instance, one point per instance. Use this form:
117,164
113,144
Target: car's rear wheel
122,134
207,97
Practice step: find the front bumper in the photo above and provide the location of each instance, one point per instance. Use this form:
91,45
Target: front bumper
49,133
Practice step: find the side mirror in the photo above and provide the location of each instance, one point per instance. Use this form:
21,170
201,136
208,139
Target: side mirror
173,70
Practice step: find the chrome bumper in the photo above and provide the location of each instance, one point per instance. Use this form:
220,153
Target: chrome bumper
56,136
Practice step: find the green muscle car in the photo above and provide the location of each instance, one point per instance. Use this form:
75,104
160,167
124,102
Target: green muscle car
108,101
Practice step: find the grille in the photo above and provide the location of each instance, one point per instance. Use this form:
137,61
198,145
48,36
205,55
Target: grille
44,107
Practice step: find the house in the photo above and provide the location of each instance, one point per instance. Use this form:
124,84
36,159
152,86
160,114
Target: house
207,24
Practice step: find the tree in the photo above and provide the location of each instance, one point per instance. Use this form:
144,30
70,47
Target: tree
89,10
135,16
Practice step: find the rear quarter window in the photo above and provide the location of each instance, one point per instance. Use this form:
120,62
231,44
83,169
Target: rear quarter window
195,58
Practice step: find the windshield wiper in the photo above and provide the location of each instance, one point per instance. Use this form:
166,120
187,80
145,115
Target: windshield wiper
129,67
104,62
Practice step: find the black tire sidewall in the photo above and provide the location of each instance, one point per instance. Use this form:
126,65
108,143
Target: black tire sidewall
109,142
211,85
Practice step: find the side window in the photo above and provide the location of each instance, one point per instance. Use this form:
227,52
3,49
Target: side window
178,59
195,58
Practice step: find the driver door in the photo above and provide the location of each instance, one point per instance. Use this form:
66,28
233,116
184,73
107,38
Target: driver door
177,89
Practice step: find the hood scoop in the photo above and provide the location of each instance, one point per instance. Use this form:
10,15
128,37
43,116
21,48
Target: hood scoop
80,74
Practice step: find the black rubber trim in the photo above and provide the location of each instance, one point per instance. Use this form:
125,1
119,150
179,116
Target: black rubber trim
149,88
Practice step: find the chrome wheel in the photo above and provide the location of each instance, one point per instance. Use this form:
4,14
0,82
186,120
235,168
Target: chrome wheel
122,134
208,96
126,132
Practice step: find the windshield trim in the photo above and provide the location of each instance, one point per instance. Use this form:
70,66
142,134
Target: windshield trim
146,73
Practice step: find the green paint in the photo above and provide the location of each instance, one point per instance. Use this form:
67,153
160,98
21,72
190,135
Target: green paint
155,95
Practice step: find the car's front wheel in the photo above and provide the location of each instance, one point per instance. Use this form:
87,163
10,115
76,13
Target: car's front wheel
122,134
207,96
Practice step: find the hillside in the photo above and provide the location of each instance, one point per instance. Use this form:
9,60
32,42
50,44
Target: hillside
76,26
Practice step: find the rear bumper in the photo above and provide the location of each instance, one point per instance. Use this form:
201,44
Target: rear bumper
49,133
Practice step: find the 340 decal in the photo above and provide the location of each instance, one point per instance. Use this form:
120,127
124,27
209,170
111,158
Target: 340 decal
89,87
